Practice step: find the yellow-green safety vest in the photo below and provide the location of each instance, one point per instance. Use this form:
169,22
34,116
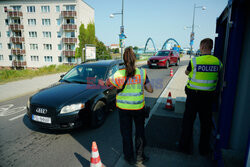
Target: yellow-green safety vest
204,74
132,96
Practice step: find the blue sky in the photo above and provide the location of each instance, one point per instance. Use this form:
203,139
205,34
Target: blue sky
158,19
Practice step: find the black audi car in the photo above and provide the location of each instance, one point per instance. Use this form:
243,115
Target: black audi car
76,98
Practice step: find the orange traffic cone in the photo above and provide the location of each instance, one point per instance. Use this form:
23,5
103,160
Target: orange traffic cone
95,158
171,72
169,104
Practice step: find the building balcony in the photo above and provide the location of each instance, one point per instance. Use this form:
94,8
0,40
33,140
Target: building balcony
17,40
69,40
15,14
18,51
68,53
16,27
17,63
66,27
68,13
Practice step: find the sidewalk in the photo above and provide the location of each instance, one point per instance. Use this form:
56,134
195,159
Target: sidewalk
16,89
163,129
19,88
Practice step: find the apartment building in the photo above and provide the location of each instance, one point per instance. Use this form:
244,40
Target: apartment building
36,33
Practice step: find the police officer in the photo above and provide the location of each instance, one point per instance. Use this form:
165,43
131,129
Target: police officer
130,103
203,72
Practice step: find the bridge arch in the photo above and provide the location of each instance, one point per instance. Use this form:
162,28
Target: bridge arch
149,39
166,42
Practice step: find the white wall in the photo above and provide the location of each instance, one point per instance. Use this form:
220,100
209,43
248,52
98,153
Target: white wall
85,14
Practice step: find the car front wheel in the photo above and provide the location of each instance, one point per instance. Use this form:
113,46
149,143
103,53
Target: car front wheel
98,114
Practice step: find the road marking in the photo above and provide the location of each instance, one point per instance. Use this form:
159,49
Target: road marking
6,111
11,119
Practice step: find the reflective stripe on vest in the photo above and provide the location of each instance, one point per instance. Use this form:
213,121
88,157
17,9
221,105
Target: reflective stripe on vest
132,100
204,74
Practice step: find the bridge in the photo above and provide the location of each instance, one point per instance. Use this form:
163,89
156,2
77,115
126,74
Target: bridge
168,44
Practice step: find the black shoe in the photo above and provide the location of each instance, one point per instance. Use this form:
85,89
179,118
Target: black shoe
142,160
205,152
130,161
183,150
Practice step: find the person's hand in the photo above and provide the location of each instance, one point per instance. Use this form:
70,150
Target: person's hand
101,82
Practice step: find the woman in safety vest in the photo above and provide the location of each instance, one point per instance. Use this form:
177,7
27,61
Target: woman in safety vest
130,103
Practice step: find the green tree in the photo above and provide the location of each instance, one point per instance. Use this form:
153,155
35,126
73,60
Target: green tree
82,41
135,48
116,50
86,36
91,33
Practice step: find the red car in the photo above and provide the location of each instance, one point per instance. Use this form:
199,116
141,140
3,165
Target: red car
164,58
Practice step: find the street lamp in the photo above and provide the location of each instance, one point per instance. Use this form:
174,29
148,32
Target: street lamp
122,26
192,33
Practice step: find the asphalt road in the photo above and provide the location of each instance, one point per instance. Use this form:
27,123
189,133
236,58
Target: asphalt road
24,144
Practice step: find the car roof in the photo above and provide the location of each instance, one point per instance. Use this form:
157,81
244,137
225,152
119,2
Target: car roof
103,63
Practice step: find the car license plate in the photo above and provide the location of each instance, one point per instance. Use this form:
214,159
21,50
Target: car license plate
153,64
41,119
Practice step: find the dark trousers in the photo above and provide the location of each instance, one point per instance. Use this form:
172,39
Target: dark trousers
197,102
126,118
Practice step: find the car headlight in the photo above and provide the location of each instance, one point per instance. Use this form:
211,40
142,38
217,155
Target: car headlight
72,108
28,103
162,60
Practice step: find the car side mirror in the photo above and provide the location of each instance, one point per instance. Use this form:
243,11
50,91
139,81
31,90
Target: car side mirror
61,76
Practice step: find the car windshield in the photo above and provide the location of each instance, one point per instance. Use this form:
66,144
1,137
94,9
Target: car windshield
162,53
85,74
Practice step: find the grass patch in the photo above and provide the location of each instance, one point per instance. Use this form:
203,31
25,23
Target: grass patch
14,75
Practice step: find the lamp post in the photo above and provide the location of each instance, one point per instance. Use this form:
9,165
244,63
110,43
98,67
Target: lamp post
122,26
192,33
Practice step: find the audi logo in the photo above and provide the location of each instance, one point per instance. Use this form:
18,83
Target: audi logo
42,110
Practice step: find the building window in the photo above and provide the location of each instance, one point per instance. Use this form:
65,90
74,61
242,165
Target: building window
32,34
48,58
69,47
47,46
8,33
57,8
0,35
70,7
59,47
70,21
17,34
34,58
18,46
33,46
59,58
1,57
1,46
46,34
59,35
70,34
6,22
32,22
16,8
31,9
9,46
71,59
16,21
45,9
58,21
20,58
46,22
10,57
